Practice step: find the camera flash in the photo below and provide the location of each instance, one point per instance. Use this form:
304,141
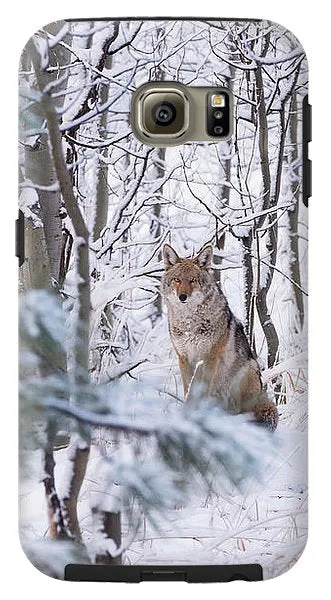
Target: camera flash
218,100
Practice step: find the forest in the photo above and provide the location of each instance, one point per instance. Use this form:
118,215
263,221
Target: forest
115,468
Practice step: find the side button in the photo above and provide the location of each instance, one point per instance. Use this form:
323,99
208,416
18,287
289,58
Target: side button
307,186
307,122
19,241
306,163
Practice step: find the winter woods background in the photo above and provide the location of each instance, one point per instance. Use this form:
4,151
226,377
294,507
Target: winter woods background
114,467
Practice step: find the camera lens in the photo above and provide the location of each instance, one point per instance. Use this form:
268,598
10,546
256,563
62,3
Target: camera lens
164,113
218,114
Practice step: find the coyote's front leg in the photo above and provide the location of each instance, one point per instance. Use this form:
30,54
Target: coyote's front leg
199,378
211,374
186,371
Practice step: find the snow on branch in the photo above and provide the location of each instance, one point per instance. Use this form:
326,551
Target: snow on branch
198,435
269,60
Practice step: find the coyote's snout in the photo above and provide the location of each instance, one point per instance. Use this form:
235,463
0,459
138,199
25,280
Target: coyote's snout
210,342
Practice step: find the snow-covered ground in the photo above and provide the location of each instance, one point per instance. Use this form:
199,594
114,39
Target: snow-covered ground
266,523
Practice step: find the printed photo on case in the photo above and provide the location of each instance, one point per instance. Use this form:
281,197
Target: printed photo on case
163,302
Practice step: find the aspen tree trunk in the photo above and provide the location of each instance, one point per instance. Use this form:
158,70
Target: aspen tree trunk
79,451
111,528
224,194
111,521
156,226
225,190
43,242
40,170
101,209
267,325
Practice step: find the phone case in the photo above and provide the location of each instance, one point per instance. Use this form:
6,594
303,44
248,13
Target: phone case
163,306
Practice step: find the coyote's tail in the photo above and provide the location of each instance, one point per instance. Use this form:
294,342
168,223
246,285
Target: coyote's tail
266,414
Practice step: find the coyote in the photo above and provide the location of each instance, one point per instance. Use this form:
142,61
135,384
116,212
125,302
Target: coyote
210,342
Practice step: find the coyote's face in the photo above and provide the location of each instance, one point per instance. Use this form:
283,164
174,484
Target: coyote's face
186,280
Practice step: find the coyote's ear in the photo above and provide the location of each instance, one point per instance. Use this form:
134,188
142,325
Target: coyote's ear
204,257
170,257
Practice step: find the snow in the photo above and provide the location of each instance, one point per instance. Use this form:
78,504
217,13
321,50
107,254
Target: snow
265,523
29,200
180,197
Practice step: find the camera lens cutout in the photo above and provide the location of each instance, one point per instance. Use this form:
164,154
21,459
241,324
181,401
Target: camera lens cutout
169,113
164,113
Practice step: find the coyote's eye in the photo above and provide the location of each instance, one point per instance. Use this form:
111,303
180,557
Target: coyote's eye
176,280
193,280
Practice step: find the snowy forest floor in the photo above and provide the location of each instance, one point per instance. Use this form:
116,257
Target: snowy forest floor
266,523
